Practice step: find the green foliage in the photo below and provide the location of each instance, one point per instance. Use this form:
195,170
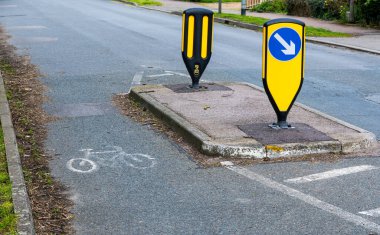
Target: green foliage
298,7
7,217
277,6
368,11
333,8
310,31
316,8
342,13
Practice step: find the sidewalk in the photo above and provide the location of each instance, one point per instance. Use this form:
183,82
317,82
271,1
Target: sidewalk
364,39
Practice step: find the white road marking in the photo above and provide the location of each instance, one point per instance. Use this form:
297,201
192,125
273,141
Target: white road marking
27,27
75,163
179,74
36,39
226,163
136,80
115,158
159,75
331,174
7,6
355,219
374,98
373,213
141,161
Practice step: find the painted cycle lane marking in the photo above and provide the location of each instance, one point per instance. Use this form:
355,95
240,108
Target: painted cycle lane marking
113,158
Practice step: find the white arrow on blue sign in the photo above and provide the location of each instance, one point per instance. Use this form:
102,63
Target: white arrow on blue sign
284,44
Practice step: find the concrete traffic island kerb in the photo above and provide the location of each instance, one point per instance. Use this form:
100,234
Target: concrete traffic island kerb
231,120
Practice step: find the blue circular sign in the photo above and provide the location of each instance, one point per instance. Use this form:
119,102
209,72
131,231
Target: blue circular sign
284,44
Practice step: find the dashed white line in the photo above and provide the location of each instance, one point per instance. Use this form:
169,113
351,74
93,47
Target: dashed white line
159,75
331,174
373,213
355,219
36,39
26,27
7,6
179,74
136,80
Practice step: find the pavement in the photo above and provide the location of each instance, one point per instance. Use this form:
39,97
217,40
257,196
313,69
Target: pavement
364,39
232,120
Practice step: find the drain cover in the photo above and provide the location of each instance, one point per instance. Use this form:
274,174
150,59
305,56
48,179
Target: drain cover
185,88
300,134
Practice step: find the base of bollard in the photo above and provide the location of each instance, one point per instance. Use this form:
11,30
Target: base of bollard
195,86
281,125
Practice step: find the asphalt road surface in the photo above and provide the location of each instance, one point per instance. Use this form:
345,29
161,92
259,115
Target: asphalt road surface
135,181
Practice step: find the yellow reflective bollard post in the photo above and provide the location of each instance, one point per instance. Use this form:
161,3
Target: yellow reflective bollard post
283,65
197,37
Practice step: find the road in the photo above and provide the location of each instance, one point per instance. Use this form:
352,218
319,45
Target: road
90,50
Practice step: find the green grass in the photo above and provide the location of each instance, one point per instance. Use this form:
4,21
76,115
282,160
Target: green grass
8,219
310,31
319,32
6,68
144,2
244,19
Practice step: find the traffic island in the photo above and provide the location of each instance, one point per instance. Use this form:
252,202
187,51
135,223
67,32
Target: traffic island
233,120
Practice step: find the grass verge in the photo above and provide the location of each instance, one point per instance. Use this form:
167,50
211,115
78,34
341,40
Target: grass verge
244,19
8,218
310,31
143,2
319,32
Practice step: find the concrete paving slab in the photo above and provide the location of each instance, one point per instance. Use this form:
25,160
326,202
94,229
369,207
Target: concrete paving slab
234,122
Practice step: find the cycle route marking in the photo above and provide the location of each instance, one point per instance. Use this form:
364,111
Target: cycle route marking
92,160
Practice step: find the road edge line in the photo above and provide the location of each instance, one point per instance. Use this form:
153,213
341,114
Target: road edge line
20,198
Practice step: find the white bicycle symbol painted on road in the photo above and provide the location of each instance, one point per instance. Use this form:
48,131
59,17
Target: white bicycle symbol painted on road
114,158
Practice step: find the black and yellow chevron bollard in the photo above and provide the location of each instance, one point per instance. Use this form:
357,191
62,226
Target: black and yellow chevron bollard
197,37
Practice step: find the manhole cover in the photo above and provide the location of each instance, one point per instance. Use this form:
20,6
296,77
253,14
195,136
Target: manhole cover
300,134
185,88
